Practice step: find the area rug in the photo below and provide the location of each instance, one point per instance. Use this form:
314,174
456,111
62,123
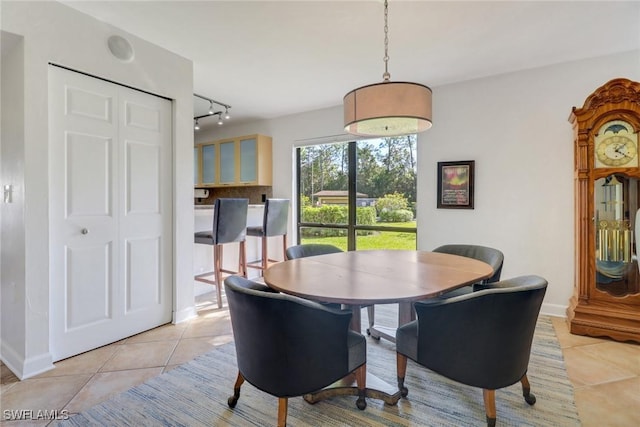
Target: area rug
195,394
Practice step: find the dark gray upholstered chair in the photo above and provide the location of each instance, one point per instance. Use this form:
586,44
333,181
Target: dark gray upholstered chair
287,346
310,249
491,256
229,226
481,339
274,223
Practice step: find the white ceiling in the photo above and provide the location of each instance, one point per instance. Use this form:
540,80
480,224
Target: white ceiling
273,58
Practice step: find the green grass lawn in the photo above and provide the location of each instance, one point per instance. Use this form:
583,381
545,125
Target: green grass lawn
377,240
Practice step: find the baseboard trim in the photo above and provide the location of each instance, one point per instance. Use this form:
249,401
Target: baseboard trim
184,314
24,368
555,310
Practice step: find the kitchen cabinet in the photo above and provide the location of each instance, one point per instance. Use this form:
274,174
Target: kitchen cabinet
205,165
238,161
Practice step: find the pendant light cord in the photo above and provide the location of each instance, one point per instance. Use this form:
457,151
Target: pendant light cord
386,76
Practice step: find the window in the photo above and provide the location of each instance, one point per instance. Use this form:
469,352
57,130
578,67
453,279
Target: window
359,194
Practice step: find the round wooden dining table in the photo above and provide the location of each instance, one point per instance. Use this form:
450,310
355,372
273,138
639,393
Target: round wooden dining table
360,278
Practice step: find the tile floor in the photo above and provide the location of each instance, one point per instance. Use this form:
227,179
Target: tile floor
605,374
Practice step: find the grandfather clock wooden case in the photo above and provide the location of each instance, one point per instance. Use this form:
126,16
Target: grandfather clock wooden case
606,300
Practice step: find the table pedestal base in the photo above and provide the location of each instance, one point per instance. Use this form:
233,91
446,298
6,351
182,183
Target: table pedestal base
385,332
376,389
406,314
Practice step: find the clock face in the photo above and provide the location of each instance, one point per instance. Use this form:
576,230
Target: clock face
616,150
616,146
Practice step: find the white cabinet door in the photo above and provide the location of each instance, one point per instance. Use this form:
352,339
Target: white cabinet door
109,212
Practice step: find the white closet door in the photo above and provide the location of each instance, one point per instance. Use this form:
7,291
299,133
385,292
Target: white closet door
110,212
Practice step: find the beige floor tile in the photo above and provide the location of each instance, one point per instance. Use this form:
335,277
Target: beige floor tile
7,380
208,301
207,328
189,349
162,333
613,404
43,393
140,355
107,384
585,369
4,388
566,338
85,363
211,315
6,376
624,355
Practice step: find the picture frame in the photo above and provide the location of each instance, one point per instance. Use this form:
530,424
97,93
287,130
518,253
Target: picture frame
455,184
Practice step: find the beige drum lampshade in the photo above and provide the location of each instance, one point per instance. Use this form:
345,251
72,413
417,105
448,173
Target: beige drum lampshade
388,109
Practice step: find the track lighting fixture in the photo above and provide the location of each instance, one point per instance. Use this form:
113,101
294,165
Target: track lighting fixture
212,111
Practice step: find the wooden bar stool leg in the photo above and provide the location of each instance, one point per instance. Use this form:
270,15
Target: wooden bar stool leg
265,256
284,247
242,268
217,266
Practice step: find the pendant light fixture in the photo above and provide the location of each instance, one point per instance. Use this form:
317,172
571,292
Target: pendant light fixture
387,108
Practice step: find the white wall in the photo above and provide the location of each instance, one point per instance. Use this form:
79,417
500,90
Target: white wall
515,128
12,262
55,33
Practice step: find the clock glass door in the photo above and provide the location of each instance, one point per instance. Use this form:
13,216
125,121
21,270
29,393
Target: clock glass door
617,223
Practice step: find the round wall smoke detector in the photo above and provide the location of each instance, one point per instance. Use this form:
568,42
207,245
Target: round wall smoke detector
121,48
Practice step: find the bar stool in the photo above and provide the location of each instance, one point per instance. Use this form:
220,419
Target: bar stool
229,226
274,223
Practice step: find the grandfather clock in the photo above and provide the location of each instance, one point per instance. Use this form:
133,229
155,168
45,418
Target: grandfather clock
606,300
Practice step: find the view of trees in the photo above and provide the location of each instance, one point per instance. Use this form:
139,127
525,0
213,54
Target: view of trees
384,166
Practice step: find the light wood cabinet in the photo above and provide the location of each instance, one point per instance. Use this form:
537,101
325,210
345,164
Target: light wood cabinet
606,300
238,161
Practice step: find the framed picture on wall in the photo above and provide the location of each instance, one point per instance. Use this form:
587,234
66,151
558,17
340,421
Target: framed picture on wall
455,184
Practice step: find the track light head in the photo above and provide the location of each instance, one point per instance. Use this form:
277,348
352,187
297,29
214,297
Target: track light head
212,111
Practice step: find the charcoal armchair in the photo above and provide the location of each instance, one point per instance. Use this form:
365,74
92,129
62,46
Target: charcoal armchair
310,249
287,346
491,256
481,339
